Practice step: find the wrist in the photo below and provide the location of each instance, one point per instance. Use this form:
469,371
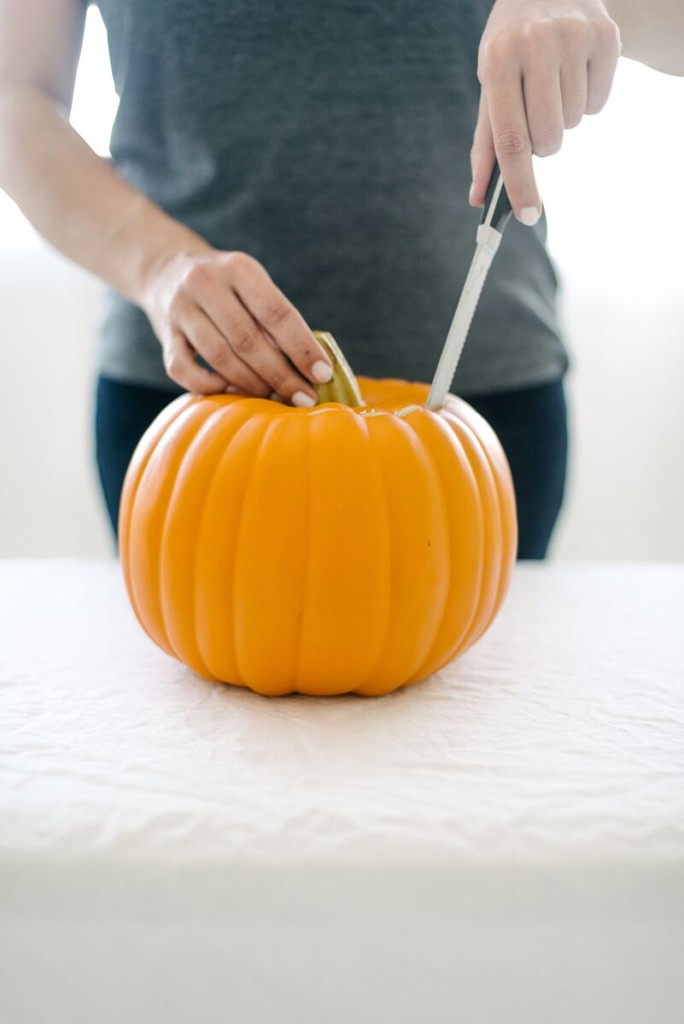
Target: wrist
164,261
146,247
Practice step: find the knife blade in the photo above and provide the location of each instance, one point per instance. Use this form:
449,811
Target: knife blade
495,216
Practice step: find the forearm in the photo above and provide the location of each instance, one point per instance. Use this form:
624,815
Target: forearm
76,200
652,31
220,305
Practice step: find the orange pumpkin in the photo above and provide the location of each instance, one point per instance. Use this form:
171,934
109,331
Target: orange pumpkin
326,550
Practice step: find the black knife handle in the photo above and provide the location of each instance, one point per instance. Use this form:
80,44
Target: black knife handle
497,207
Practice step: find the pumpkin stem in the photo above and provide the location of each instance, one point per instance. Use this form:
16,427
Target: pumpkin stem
343,387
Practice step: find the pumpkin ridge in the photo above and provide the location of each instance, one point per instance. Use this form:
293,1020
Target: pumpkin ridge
245,421
418,673
271,556
339,610
152,605
465,640
408,438
462,644
222,413
471,494
188,437
271,425
499,547
428,459
306,556
382,487
489,561
368,687
507,512
132,479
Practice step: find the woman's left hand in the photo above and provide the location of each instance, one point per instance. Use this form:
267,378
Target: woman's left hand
543,65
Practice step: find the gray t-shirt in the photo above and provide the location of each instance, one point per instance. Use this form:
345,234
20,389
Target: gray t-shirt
330,141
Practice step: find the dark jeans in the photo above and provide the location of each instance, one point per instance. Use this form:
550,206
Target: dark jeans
531,424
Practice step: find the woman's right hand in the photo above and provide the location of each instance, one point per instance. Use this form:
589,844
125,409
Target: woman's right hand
224,307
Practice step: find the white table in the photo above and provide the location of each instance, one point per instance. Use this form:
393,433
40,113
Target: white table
502,843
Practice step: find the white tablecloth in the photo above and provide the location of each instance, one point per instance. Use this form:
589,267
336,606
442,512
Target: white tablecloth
501,843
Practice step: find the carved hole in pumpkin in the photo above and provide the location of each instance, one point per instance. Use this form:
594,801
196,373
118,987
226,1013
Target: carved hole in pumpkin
408,409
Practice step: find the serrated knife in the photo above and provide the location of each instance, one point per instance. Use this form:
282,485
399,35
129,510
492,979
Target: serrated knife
495,216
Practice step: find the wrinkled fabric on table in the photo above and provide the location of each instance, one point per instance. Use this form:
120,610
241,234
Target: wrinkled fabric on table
504,841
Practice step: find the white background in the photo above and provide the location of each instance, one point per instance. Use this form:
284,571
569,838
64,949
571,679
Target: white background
614,202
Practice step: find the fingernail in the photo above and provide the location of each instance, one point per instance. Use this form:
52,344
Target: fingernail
323,372
471,194
303,400
529,215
